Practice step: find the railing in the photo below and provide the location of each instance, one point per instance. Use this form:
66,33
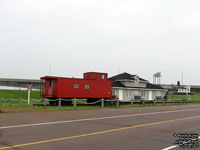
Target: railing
102,102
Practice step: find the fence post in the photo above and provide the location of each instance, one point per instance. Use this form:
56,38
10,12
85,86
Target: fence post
0,101
154,101
20,101
31,102
59,103
199,97
102,102
45,103
10,101
74,103
131,102
118,102
163,102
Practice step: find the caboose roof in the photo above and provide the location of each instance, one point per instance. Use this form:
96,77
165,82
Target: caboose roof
54,77
96,72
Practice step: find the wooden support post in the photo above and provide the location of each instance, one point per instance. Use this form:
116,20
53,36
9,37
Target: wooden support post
118,102
74,103
59,104
102,103
131,102
31,102
0,101
10,101
20,101
154,101
199,96
45,103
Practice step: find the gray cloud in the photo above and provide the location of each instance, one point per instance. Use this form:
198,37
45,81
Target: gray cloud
75,36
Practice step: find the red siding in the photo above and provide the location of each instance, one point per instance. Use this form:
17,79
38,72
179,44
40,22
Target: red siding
64,87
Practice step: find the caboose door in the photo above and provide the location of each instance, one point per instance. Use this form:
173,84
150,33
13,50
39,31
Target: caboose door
49,87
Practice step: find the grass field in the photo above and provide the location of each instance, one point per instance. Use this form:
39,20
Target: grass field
16,94
38,102
177,97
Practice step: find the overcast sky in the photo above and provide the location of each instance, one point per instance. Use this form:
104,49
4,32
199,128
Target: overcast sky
76,36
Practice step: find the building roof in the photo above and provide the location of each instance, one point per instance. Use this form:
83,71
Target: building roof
18,80
125,76
149,86
117,84
153,86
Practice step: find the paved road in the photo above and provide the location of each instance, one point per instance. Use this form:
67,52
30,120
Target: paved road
149,128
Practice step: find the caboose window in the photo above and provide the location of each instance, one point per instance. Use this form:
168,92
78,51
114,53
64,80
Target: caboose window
102,76
87,86
76,86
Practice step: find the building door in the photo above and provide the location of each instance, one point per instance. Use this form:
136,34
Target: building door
120,94
150,95
49,87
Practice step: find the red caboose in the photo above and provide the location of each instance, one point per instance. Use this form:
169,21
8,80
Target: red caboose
92,87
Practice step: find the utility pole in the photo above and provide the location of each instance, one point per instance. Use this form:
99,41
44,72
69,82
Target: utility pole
29,92
182,78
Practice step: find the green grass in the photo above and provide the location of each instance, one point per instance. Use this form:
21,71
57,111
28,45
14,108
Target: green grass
181,97
1,111
39,106
16,94
38,103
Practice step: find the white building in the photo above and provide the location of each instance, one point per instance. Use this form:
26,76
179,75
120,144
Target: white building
126,86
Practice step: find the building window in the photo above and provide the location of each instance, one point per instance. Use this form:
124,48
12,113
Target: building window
87,86
102,76
75,86
143,93
113,92
158,93
126,91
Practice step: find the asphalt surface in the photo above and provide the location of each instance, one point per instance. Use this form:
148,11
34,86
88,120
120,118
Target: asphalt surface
147,128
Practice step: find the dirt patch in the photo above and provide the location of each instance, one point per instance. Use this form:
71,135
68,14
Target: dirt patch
7,109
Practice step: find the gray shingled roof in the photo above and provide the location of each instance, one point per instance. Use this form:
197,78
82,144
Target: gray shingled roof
124,75
128,76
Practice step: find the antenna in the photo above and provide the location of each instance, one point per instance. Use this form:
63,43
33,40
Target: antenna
182,77
49,70
118,69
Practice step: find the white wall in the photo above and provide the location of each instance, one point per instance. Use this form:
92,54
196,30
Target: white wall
147,94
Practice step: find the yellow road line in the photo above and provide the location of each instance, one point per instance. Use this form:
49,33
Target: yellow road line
101,132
